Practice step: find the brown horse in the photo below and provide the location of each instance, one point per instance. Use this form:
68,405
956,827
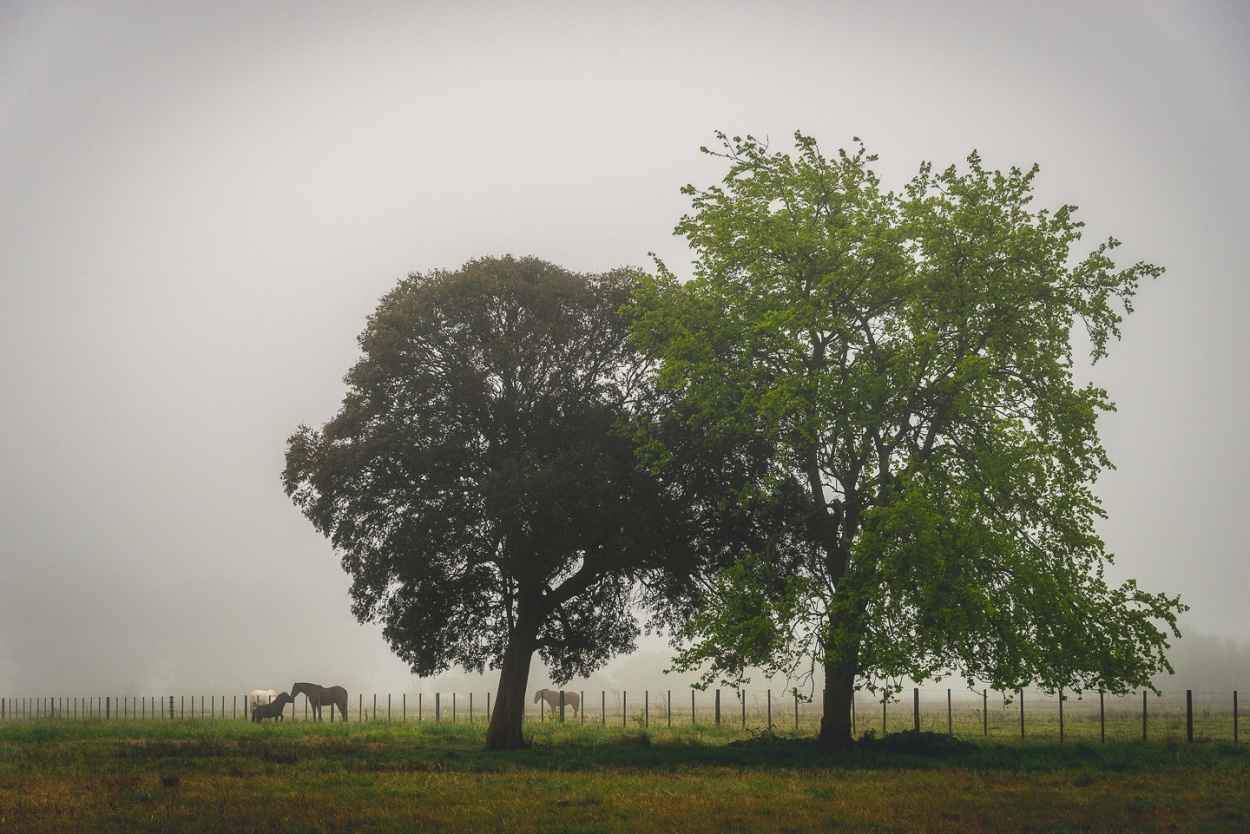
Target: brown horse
319,696
571,699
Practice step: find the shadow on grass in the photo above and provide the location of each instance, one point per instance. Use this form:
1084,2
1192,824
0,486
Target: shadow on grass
235,746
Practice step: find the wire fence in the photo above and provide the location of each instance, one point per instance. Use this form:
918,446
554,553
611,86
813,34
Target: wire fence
1201,716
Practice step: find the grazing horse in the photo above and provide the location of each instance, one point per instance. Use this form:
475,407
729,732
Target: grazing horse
552,697
273,709
319,696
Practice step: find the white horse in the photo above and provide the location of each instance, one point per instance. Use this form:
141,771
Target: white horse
258,697
552,696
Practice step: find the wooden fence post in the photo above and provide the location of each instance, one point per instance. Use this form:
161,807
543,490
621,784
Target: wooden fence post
950,717
915,705
1143,715
624,708
1061,715
742,695
884,698
796,712
603,707
1022,715
438,707
717,708
692,707
770,710
1102,717
646,708
668,708
1189,716
985,712
561,706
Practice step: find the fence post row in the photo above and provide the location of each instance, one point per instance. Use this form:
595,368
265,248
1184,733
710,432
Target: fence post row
109,708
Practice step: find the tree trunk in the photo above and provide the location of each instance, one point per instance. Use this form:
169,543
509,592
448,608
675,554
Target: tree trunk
504,731
835,723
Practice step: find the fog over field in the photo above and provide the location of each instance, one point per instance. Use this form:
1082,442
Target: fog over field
203,202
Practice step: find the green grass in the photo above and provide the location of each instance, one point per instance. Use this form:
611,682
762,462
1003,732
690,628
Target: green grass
363,776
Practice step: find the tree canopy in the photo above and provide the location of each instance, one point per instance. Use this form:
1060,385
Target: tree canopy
477,482
895,372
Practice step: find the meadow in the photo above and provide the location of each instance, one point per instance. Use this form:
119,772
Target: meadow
184,775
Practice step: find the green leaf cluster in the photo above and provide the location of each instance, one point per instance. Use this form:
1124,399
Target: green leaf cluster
888,379
477,482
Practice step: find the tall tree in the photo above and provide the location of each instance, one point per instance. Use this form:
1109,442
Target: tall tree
905,364
476,481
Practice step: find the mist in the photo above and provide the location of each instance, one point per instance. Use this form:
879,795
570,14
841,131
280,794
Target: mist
203,204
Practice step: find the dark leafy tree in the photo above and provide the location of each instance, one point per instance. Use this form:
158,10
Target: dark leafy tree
478,484
904,365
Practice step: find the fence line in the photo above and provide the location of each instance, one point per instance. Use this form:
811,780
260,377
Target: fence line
1202,715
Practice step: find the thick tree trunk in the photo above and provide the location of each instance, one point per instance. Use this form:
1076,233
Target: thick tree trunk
504,731
835,723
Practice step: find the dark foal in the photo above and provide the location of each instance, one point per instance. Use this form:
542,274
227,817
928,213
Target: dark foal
273,709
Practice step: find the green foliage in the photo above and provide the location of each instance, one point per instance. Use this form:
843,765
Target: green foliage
476,482
892,376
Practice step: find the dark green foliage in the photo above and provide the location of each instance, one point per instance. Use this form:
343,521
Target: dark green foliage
477,481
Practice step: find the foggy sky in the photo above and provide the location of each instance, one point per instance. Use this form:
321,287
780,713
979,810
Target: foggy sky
202,203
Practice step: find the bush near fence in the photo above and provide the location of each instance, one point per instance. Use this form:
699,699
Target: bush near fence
1024,715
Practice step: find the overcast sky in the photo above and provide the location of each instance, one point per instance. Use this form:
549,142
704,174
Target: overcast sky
202,203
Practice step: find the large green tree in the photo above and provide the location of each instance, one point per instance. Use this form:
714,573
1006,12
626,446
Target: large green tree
477,483
900,367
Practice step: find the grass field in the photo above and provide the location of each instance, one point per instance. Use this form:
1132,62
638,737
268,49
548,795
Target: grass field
233,775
